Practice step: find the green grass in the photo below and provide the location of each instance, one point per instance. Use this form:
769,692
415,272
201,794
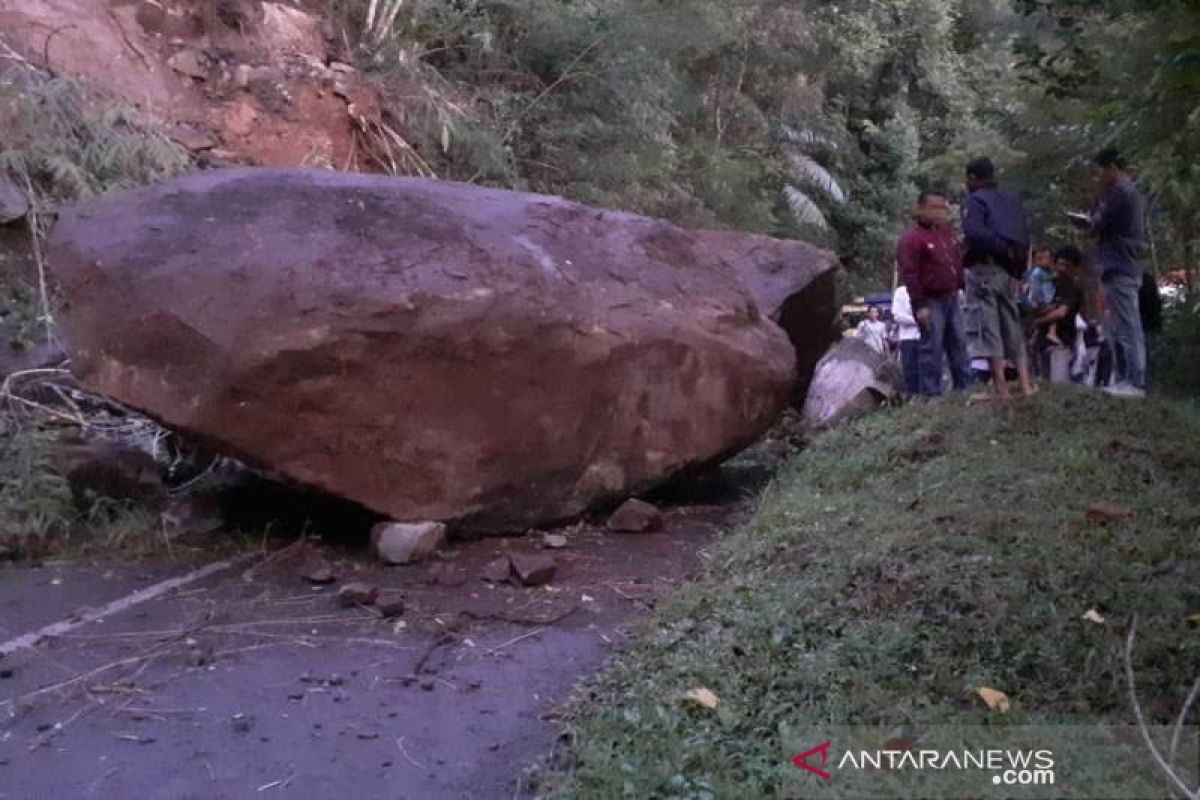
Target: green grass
64,140
896,565
1174,367
69,141
38,515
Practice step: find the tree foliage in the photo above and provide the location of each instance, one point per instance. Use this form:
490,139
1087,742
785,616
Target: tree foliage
797,117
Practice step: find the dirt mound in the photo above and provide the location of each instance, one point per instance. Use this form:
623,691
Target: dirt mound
239,81
431,350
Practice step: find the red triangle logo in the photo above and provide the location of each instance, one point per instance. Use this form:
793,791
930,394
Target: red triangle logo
802,760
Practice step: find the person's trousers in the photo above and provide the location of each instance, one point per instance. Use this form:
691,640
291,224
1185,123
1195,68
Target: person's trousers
1000,334
1125,327
1060,359
910,361
944,336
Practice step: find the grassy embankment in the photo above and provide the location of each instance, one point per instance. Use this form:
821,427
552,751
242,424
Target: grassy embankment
900,563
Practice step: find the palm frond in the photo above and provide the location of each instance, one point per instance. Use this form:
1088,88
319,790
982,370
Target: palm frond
807,171
803,209
807,137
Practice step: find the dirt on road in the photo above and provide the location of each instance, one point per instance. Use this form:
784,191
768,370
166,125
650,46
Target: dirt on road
254,681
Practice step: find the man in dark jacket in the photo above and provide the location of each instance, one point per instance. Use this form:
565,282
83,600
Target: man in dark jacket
997,246
1116,222
931,271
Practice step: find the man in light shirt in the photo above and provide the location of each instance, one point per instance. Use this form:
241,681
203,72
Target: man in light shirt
908,334
873,332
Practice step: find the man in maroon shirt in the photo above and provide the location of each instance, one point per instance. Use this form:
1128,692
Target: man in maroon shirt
931,270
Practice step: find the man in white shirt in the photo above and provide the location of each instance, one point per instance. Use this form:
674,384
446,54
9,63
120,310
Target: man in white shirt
873,332
908,334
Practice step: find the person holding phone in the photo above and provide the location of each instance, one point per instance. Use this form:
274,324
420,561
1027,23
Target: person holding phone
1116,222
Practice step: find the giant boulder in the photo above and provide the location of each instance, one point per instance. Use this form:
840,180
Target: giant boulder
794,286
850,381
431,350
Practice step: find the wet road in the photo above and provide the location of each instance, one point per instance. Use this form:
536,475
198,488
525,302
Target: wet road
251,682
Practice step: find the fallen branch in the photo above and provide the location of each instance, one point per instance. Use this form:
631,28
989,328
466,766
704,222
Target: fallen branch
514,640
1166,768
54,687
58,728
513,620
410,759
441,641
36,236
1181,720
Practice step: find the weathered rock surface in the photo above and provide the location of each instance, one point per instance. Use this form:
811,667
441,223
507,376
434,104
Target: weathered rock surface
793,286
357,594
635,516
498,570
554,541
391,603
532,569
318,571
14,204
431,350
404,543
850,381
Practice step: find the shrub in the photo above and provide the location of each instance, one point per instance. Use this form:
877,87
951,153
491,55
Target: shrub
67,141
1173,354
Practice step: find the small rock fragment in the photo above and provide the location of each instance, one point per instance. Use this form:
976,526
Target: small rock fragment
319,572
241,75
406,542
635,516
357,594
194,139
533,570
445,575
497,571
242,723
390,603
554,541
189,63
199,656
1105,513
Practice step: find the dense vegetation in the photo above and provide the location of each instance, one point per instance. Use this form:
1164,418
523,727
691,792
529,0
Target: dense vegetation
798,118
63,141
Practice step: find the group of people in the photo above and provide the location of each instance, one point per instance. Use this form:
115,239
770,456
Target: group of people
980,298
